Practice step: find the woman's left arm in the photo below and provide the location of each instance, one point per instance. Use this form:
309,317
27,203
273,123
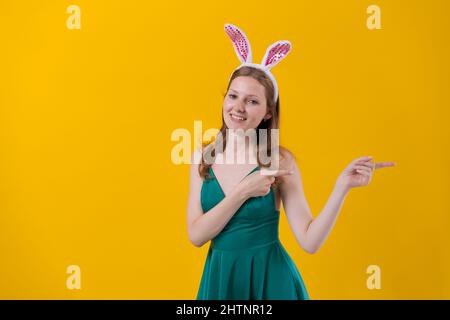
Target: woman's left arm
311,232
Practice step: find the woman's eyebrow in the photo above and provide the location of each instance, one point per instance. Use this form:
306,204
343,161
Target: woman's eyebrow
249,95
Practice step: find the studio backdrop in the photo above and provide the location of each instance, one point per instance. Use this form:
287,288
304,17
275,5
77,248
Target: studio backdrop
92,202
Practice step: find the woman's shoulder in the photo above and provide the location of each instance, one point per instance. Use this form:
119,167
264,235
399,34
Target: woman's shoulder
196,157
199,153
201,161
287,158
285,152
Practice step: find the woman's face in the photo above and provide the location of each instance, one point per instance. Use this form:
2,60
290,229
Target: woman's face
244,106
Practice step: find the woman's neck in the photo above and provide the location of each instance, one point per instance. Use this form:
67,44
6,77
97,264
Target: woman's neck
241,148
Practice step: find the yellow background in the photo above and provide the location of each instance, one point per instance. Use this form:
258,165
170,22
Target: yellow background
86,117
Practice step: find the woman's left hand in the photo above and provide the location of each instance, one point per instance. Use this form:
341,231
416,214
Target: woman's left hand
359,172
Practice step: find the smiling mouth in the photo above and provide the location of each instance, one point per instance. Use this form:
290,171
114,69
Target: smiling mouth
239,118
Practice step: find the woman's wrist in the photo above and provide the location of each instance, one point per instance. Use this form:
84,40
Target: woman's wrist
240,192
341,188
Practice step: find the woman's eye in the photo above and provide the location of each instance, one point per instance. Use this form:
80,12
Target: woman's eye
233,96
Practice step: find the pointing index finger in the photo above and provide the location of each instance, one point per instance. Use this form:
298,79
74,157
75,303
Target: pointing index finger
384,164
276,173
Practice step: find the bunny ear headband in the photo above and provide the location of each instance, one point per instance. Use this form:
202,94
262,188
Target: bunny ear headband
274,53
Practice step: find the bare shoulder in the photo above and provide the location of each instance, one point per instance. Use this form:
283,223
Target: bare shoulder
196,158
197,161
287,159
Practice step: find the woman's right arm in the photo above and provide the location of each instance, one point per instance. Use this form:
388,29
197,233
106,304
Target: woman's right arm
203,227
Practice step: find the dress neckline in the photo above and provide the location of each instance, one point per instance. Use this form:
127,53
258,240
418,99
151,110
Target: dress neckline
218,183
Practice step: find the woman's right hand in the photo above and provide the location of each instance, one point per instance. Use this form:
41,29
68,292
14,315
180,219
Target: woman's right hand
258,183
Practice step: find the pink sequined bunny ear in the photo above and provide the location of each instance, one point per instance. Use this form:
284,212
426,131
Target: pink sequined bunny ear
240,43
275,53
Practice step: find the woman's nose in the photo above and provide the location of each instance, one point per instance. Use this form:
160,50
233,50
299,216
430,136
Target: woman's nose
240,106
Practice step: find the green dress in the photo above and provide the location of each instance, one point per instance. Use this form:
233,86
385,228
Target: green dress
246,260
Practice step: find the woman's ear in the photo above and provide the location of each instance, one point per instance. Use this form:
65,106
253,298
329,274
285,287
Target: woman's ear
267,117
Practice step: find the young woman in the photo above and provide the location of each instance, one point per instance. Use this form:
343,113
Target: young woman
237,208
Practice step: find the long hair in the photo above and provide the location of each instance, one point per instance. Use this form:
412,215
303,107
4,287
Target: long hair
271,123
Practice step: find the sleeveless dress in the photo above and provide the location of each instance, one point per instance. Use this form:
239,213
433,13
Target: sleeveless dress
246,260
